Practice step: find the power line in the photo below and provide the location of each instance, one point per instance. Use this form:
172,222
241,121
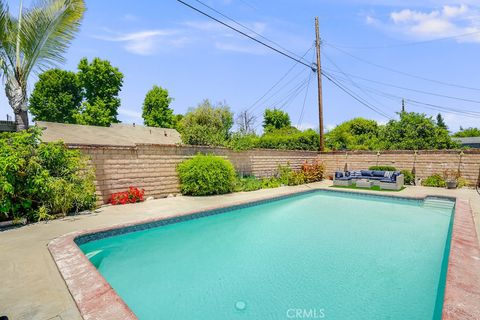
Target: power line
278,82
290,97
249,29
410,89
247,35
405,44
419,103
300,119
401,72
351,80
354,96
299,85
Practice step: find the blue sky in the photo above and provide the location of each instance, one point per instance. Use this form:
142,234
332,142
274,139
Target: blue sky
165,43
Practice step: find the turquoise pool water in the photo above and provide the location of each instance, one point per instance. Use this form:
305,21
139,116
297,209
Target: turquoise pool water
322,255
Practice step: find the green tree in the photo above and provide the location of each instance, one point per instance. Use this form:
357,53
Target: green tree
467,132
177,118
56,97
355,134
35,40
207,124
96,114
440,122
156,111
415,131
101,84
274,119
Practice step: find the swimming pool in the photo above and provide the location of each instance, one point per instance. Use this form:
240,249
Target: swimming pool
329,255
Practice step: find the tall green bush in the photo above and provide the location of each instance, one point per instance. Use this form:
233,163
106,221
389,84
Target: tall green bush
41,180
207,124
206,175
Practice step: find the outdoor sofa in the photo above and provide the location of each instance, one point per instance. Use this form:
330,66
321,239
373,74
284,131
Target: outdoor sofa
391,180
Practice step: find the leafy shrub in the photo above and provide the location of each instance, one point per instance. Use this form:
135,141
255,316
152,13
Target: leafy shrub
271,182
240,141
289,139
382,168
462,182
314,171
285,139
408,176
435,180
40,180
133,195
248,183
206,175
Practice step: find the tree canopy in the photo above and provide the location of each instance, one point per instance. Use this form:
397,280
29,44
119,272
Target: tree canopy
88,97
156,110
101,83
413,131
207,124
56,97
467,132
355,134
440,122
274,119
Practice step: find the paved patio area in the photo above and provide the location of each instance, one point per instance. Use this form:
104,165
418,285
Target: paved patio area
32,288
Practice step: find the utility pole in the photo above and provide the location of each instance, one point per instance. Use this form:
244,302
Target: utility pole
403,105
319,80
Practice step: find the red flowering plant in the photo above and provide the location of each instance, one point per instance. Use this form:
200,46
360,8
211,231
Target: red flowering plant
314,171
133,195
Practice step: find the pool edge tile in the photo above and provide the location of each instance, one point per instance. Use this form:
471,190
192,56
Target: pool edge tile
462,290
100,301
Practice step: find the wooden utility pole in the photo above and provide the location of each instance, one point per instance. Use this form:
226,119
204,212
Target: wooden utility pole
319,80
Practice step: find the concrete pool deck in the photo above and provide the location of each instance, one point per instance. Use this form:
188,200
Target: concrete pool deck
32,288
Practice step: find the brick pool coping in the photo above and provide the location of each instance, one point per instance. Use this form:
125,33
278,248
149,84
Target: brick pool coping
96,299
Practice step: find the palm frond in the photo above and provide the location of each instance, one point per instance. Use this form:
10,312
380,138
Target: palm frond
46,32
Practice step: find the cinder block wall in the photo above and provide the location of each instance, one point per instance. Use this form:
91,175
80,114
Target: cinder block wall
426,162
152,167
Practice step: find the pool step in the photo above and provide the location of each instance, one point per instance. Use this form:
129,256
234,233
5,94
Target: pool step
437,203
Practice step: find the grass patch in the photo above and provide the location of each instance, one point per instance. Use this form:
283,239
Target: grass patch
374,188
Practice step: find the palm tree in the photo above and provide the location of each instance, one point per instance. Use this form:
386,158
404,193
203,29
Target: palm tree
34,41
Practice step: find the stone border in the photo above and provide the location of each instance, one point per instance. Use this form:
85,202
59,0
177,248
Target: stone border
96,299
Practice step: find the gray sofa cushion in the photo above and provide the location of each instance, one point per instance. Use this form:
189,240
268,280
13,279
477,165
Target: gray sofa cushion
366,173
378,173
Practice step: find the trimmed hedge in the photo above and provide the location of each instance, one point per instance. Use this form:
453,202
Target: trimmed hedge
383,168
205,175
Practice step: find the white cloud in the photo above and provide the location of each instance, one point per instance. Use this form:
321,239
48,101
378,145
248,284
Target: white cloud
144,42
447,21
149,42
